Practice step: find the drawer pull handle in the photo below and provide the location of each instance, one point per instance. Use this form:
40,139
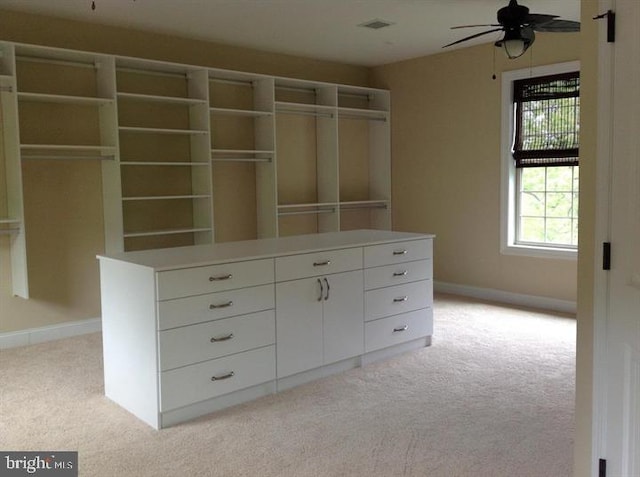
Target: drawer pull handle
400,299
322,264
222,338
221,277
224,376
222,305
400,252
321,290
328,288
400,274
401,328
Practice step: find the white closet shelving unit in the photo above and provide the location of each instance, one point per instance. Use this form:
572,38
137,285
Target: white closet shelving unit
34,128
175,139
157,103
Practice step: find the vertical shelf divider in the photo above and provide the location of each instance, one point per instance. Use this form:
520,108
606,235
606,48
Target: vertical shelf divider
327,158
380,160
266,173
201,180
111,182
13,169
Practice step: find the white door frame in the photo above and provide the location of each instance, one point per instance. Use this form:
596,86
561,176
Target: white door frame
606,63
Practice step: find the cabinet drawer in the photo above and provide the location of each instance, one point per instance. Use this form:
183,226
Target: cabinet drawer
184,386
192,344
215,278
397,274
399,299
387,254
198,309
397,329
319,263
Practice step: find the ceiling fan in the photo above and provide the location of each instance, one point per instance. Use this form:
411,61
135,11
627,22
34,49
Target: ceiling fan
519,26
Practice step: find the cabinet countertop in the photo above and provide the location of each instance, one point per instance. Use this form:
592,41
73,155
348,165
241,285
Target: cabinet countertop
203,255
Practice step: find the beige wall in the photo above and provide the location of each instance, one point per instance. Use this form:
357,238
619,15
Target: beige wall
446,111
63,201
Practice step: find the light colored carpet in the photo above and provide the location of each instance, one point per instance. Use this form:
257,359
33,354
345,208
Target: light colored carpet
492,397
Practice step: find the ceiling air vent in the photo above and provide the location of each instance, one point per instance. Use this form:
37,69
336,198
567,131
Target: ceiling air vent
376,24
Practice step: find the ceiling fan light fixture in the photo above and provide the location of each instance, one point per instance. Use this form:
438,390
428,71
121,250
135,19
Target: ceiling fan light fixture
514,48
514,43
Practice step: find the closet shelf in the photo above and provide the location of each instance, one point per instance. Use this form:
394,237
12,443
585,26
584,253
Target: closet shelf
136,129
364,204
306,209
161,163
242,151
302,108
67,151
166,197
166,232
357,113
64,99
160,99
13,226
239,112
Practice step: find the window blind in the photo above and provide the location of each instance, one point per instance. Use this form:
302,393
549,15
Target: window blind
547,120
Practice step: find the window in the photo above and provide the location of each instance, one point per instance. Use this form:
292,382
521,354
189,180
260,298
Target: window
541,128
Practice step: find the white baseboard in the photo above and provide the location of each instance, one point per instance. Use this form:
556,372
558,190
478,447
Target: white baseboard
14,339
489,294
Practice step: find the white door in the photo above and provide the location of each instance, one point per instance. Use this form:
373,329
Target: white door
622,383
343,316
298,326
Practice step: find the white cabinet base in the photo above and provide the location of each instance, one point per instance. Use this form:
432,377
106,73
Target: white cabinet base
166,341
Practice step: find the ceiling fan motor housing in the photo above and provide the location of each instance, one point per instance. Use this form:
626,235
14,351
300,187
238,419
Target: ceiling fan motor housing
513,15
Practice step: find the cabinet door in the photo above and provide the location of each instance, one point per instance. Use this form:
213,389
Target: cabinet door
298,326
343,316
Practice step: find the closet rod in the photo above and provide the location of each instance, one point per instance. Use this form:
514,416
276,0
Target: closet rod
361,116
306,113
151,72
53,156
355,95
232,81
304,212
51,61
9,231
363,206
297,89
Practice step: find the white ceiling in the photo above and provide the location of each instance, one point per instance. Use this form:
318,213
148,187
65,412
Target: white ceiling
326,29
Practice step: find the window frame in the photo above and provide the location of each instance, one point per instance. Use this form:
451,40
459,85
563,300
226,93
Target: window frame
509,180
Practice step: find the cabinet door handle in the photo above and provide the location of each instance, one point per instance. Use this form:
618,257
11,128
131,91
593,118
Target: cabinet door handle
222,338
322,264
321,290
400,252
400,274
401,328
328,288
224,376
400,299
222,305
221,277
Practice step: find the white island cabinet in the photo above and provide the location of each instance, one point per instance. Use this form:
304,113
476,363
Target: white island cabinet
188,331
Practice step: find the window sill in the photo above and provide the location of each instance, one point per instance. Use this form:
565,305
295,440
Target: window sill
541,252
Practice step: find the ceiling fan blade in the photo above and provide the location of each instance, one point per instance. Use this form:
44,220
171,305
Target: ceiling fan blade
537,18
472,26
473,36
557,26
